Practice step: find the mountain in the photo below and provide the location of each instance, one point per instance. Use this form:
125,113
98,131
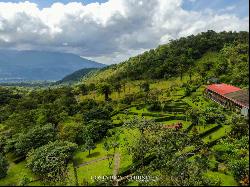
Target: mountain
76,76
40,65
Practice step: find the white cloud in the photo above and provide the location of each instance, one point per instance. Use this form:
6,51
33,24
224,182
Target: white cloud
109,32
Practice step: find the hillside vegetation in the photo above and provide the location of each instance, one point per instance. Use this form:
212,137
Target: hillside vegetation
77,76
147,116
223,53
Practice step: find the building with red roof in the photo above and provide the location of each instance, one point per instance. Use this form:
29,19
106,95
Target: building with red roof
229,96
222,89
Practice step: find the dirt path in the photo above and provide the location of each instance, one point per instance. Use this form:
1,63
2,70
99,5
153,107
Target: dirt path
116,167
93,161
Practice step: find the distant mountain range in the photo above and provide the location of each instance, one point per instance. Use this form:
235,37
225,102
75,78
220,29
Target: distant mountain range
20,66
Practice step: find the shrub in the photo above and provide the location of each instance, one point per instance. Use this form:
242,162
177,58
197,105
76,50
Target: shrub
239,168
156,106
3,166
128,99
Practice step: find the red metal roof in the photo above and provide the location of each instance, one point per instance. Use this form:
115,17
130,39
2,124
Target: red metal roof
222,89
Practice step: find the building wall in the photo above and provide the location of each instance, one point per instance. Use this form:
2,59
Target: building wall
225,102
244,111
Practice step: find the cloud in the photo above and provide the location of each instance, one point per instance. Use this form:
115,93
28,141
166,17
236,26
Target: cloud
108,32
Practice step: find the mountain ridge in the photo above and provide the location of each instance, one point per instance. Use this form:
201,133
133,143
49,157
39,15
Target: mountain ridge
31,65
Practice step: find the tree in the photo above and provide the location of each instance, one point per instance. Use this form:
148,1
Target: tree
234,153
89,144
91,87
190,72
83,89
239,168
118,87
240,126
193,115
158,148
96,129
114,141
106,90
3,166
97,113
6,95
70,131
145,87
49,162
181,69
106,147
22,143
21,120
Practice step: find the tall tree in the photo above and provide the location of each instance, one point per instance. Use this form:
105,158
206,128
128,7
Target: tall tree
89,144
106,90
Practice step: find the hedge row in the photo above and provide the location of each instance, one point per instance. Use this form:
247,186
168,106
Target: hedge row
210,131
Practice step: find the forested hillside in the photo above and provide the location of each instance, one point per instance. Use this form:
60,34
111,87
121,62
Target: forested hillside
229,49
76,76
146,117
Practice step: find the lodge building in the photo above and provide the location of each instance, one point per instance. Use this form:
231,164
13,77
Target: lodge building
230,97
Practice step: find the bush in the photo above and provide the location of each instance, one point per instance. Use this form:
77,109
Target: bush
156,106
101,113
3,166
239,168
211,180
128,99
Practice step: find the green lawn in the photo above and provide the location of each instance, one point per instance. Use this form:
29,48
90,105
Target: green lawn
185,150
204,128
226,180
126,117
87,172
127,136
132,183
100,168
15,174
217,134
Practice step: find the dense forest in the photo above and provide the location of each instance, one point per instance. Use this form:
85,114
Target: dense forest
55,135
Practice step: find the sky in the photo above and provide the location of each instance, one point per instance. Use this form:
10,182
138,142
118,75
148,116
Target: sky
111,31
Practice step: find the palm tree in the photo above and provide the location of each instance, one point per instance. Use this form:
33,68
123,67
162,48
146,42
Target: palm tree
106,90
